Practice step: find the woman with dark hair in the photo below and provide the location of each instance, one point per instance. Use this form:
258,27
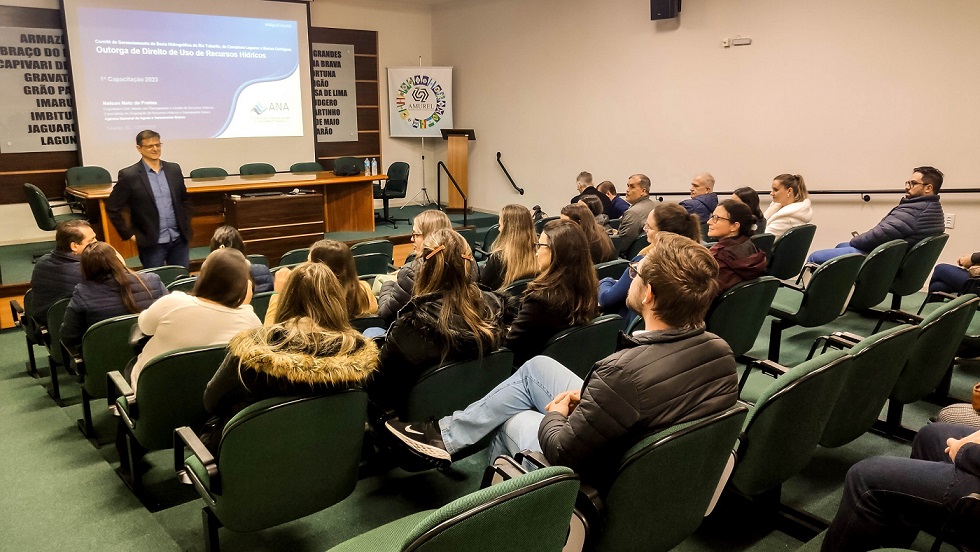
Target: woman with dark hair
790,204
212,314
750,197
336,255
665,217
600,244
738,257
561,296
107,289
512,253
594,205
448,319
227,236
310,350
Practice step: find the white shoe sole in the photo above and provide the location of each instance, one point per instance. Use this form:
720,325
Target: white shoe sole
429,451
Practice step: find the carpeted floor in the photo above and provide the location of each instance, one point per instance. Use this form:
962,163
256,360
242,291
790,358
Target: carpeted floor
60,492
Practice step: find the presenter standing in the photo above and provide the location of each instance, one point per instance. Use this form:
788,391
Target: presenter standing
159,206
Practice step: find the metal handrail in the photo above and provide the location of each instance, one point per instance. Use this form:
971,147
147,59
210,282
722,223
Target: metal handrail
512,183
443,166
865,195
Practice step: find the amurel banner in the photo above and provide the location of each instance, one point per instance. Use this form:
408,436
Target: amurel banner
420,101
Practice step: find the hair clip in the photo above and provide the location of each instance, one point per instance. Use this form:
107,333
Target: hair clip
467,257
434,251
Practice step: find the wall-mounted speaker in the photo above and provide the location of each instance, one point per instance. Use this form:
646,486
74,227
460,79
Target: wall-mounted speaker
664,9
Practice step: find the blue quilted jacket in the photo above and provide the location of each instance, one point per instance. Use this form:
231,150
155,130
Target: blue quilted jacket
911,220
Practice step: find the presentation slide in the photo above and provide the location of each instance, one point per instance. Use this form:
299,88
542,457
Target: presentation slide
222,89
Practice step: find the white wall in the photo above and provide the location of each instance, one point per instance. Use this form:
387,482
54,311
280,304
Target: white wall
848,94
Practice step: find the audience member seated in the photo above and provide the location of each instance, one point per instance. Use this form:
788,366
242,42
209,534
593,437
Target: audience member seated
395,293
703,198
790,205
512,253
750,197
638,195
619,205
228,236
584,185
56,274
310,350
595,206
946,277
215,312
670,373
357,292
561,296
665,217
447,320
917,216
888,500
107,289
600,245
738,257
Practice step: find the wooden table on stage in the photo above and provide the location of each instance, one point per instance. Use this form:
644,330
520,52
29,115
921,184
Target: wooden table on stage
348,202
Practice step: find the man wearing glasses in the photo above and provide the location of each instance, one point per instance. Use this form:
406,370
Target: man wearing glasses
917,216
159,207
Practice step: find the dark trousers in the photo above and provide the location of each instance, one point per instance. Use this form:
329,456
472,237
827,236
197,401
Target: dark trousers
948,278
887,500
177,252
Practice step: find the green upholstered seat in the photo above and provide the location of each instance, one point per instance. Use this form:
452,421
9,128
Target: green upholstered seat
442,390
56,354
41,209
611,269
362,323
821,302
786,421
517,287
87,175
638,244
168,273
764,243
530,512
294,256
579,347
254,169
260,303
307,166
488,238
877,274
105,348
916,267
183,284
789,252
278,460
258,259
539,225
396,187
371,263
374,246
35,331
209,172
738,314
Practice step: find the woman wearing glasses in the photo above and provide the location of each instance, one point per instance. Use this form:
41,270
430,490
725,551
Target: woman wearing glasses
790,205
395,293
665,217
738,258
448,319
561,296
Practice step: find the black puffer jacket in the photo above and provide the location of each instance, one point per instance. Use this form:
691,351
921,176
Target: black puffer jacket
94,302
396,293
54,278
911,220
415,343
660,379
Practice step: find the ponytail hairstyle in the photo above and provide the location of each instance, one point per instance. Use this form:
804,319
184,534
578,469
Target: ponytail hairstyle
750,197
515,244
100,263
570,280
740,213
446,260
671,217
337,256
595,235
793,182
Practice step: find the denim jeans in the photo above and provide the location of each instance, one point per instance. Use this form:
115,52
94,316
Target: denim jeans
516,406
176,252
824,255
948,278
887,500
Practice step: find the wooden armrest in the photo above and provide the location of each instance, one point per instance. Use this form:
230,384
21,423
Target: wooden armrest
185,438
117,386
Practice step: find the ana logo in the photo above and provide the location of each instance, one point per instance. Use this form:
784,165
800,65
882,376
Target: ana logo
421,101
261,108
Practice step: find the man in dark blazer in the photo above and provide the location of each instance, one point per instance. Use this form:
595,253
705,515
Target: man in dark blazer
159,206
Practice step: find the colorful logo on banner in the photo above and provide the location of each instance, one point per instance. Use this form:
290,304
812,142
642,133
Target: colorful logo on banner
421,101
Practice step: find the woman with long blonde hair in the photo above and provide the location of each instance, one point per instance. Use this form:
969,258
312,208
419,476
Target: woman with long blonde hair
512,254
395,293
337,256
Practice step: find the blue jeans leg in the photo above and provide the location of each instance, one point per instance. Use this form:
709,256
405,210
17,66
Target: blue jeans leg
179,253
174,253
824,255
532,387
153,256
948,278
518,433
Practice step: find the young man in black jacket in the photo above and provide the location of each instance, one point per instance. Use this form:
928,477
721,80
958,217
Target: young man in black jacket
56,274
672,372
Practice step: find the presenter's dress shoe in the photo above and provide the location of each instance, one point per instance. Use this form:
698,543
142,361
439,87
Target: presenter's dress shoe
422,438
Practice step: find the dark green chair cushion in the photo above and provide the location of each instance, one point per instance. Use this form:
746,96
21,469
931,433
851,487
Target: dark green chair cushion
580,347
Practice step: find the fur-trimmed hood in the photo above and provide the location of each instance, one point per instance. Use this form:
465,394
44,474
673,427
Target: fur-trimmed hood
318,362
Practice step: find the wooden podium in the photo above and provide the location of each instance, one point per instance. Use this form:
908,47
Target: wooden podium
458,163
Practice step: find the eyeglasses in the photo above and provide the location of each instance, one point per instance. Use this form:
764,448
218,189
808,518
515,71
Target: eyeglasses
913,183
633,269
715,218
415,236
540,245
151,146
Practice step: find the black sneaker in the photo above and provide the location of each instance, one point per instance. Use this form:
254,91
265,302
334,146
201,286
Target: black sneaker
424,438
